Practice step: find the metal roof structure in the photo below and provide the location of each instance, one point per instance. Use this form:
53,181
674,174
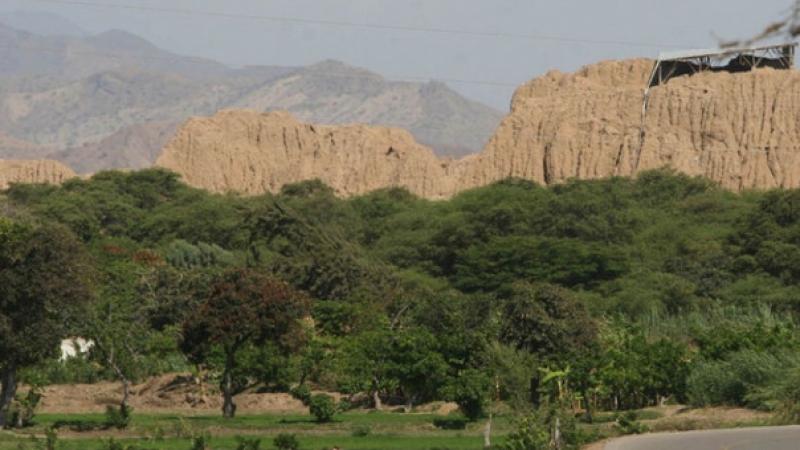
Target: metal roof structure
735,59
739,59
715,52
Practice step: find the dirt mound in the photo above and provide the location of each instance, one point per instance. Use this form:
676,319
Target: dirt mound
33,171
253,153
167,393
740,130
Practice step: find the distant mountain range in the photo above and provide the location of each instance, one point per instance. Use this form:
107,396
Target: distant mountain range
42,23
113,100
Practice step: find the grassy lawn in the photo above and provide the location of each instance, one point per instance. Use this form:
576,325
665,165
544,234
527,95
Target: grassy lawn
353,430
377,442
147,431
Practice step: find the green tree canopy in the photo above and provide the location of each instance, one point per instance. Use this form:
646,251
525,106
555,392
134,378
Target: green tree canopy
46,278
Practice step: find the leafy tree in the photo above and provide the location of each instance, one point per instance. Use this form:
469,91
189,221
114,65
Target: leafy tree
313,258
117,321
46,275
635,371
502,261
364,363
416,365
471,390
243,307
547,321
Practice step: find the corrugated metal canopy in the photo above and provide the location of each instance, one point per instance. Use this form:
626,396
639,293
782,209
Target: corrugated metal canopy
717,52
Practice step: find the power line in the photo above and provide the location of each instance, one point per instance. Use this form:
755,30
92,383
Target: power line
197,60
369,25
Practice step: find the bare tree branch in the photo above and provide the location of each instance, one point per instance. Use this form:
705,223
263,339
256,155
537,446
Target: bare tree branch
788,28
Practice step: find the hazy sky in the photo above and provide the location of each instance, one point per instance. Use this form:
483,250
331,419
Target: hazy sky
239,41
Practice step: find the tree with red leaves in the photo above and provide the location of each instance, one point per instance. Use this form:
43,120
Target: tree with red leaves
243,307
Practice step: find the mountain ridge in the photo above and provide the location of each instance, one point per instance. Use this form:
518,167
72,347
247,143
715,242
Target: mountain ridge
75,92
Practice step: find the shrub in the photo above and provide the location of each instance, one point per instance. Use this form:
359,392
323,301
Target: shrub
734,380
118,418
243,443
50,439
783,396
345,405
471,392
112,444
451,423
201,442
361,431
24,407
529,435
286,441
323,407
628,423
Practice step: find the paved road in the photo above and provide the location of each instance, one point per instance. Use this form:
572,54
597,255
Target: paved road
767,438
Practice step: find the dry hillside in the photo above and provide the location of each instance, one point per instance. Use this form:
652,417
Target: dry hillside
740,130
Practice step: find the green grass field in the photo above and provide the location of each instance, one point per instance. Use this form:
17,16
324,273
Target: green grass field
362,431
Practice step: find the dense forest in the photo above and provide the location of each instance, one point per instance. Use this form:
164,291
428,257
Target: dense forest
626,292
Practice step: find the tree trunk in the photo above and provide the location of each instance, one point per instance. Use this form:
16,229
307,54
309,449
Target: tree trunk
376,395
410,400
535,398
201,383
555,441
487,433
587,404
8,389
228,407
126,384
126,393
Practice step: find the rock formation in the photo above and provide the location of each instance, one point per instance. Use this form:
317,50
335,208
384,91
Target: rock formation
33,171
740,130
253,153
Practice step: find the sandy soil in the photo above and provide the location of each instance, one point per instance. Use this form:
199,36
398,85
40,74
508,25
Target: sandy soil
182,394
178,393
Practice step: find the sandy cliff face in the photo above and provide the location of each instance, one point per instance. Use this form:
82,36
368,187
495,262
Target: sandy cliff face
740,130
33,171
253,153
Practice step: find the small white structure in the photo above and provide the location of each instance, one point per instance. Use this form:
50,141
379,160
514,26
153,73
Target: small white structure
75,346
